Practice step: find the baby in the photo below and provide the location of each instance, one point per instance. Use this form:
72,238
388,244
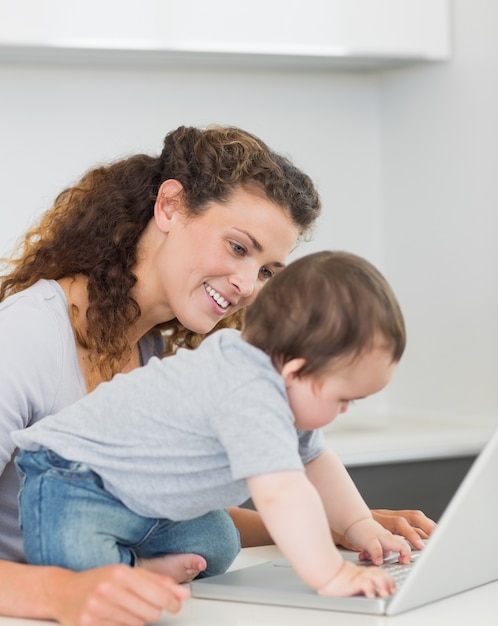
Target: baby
145,465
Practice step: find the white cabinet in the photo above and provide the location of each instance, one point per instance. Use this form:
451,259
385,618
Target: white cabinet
313,32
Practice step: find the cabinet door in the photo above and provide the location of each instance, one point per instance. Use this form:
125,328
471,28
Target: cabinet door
417,29
397,28
427,485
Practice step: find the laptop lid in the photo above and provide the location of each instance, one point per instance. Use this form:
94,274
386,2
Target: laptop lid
460,555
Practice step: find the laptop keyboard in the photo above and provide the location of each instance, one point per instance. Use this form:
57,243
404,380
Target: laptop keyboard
399,571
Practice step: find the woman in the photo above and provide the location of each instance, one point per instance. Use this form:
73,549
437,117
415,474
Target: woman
144,249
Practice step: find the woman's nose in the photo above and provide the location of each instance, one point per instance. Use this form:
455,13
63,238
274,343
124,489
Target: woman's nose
245,281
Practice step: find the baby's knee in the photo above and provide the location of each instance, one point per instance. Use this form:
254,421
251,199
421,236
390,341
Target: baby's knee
223,545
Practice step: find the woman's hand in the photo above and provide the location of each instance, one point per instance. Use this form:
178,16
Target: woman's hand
414,526
113,595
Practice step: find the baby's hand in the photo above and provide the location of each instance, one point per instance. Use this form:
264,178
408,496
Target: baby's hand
353,579
376,543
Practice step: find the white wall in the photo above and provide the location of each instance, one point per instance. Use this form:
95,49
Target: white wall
405,162
57,121
439,128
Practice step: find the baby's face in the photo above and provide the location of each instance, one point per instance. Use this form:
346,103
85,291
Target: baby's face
317,402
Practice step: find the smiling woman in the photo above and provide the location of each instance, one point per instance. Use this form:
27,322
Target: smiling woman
140,257
133,243
212,265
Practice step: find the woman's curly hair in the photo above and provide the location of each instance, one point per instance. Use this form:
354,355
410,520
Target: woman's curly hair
95,226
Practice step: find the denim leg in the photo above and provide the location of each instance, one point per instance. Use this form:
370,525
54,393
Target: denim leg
69,520
213,536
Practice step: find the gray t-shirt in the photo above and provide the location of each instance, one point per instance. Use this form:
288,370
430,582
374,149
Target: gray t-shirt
39,375
178,437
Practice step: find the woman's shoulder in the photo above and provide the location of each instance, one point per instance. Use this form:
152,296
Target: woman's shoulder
47,293
37,358
35,318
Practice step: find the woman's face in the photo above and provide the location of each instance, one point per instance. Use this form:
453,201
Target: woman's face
210,266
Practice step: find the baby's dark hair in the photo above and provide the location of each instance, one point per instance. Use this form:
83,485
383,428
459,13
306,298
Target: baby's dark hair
324,307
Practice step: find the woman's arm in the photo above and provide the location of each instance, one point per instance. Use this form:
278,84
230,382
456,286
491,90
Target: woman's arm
251,528
115,594
414,526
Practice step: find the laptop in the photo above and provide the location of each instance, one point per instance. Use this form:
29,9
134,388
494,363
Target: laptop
462,553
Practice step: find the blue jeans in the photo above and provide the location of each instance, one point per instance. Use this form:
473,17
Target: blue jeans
68,519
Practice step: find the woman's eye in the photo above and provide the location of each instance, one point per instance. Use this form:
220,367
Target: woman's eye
266,273
237,248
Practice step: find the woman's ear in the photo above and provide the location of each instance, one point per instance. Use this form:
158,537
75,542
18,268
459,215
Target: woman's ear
291,369
169,202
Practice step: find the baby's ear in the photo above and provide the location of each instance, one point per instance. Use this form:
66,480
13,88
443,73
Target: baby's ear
291,369
169,202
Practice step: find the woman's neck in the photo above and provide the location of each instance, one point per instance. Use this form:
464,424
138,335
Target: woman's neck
76,291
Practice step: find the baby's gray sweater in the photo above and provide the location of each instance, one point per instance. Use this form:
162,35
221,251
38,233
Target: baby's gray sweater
178,437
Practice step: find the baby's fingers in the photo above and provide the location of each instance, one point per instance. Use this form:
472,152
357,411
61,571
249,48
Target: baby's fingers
398,544
374,551
375,582
354,580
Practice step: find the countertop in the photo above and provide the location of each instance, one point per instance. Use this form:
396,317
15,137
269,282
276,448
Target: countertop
478,606
368,440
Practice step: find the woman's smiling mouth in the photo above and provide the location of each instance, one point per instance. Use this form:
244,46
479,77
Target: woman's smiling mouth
217,297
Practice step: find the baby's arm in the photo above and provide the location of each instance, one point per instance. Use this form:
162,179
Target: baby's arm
348,513
293,513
